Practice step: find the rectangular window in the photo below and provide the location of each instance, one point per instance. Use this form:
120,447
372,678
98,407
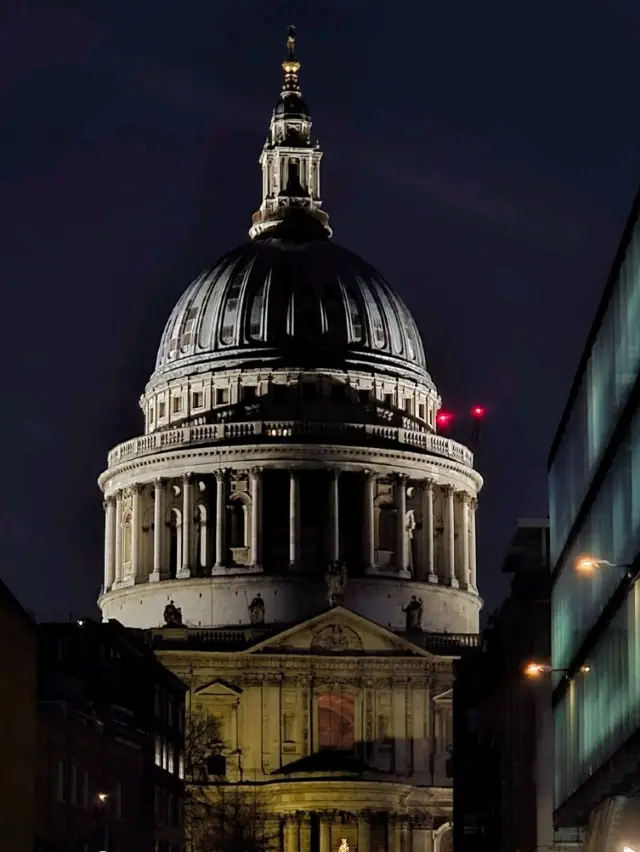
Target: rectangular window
249,393
336,721
162,410
181,765
73,784
61,792
338,393
177,404
364,395
222,396
408,405
388,400
158,751
308,391
170,758
118,799
197,399
84,791
421,411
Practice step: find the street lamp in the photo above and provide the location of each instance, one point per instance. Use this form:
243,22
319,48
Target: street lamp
589,564
534,669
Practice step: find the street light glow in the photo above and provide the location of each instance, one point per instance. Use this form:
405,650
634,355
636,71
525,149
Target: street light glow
535,669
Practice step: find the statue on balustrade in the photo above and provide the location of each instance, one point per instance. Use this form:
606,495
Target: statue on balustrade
256,610
336,579
413,613
172,615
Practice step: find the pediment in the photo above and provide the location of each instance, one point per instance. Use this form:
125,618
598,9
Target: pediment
218,689
445,696
339,631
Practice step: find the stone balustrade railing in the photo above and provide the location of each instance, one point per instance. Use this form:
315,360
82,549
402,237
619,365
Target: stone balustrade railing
444,643
254,430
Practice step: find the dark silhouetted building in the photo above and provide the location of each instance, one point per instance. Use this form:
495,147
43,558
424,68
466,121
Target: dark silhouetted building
111,741
501,799
17,724
594,485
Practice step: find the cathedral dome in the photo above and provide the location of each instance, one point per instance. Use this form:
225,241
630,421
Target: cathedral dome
292,298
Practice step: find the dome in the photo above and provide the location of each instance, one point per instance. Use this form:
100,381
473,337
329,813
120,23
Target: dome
293,298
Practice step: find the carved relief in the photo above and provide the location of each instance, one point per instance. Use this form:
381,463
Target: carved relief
336,638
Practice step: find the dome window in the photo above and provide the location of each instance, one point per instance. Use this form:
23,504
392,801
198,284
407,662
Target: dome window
222,396
197,400
249,393
177,405
364,395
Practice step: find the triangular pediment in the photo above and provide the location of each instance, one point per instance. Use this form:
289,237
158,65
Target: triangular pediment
218,689
447,695
339,631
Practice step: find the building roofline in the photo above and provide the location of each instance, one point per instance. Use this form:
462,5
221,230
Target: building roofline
595,326
7,595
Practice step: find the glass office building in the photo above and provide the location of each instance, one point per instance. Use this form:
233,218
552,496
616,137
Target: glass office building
594,484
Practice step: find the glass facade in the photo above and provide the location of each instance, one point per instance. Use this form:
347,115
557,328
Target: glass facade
613,366
601,708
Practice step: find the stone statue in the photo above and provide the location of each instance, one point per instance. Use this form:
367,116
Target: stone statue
256,610
413,612
410,525
172,615
336,580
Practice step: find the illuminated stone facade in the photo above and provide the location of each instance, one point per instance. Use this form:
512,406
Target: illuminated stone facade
293,516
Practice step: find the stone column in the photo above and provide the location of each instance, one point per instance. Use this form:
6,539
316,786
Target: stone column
334,515
402,559
109,542
399,833
450,536
187,527
256,516
464,539
368,527
391,833
220,518
291,837
325,833
473,578
158,530
364,833
294,519
428,533
305,833
118,538
136,524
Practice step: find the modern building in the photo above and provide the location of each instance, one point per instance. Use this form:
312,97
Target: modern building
111,743
594,481
292,529
502,791
18,655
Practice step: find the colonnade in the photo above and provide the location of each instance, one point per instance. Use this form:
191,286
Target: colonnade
355,828
402,533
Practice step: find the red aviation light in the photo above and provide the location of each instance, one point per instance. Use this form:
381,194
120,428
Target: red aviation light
478,412
444,418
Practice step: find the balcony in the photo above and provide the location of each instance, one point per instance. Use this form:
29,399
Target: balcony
263,431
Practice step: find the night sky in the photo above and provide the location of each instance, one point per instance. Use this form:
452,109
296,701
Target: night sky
483,156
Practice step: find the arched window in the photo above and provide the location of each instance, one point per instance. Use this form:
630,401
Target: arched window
336,720
237,524
201,537
175,541
126,539
386,527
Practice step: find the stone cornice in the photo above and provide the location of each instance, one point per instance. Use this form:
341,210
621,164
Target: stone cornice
148,467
